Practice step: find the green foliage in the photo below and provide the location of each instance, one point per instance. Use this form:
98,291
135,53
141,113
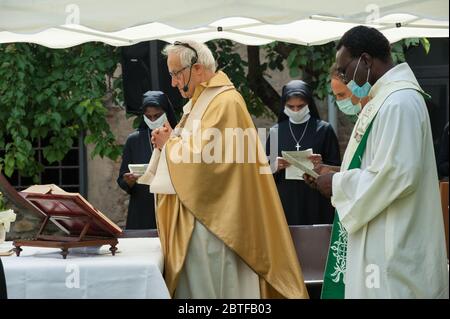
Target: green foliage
398,49
54,95
310,63
2,201
313,63
233,65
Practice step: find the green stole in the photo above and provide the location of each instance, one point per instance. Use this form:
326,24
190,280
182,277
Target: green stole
333,281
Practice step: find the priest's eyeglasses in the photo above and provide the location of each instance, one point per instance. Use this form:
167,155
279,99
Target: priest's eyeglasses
175,74
343,72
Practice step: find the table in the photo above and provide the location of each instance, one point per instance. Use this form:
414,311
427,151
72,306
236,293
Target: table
135,272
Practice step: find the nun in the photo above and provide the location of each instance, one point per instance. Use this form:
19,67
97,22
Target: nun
156,111
299,128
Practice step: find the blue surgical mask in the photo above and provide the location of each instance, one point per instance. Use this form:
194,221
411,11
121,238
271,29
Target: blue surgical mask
347,107
359,91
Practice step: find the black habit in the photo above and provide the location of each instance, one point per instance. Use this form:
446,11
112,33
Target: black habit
141,209
302,204
138,150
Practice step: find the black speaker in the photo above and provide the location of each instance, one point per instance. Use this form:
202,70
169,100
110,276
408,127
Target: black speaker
144,68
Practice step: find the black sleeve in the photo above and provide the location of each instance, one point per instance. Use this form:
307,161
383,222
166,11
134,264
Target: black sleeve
126,159
442,159
330,150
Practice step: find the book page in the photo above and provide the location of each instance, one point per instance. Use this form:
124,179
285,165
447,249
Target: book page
45,189
300,164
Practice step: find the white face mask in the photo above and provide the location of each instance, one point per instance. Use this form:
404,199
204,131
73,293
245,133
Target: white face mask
156,124
299,116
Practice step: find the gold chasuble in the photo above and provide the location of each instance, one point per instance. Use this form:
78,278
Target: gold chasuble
227,186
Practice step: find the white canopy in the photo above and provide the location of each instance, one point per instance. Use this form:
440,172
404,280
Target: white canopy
65,23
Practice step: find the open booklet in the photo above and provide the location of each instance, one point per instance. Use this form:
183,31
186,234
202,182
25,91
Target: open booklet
299,159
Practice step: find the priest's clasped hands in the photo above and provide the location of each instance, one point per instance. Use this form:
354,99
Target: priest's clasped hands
161,135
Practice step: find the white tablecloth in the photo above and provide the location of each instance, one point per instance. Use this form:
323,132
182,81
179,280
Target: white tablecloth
134,272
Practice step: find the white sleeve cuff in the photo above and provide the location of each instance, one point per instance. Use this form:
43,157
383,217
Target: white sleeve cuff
338,193
342,202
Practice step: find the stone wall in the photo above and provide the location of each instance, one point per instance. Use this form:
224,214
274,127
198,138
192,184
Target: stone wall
103,191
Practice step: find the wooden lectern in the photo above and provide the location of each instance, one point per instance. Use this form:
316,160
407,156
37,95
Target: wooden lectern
82,224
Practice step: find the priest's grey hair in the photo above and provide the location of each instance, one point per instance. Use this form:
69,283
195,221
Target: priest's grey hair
205,56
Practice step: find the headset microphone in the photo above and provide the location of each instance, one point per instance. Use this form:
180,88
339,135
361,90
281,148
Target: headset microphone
193,61
186,86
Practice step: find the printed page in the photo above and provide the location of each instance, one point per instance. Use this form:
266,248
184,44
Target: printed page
299,164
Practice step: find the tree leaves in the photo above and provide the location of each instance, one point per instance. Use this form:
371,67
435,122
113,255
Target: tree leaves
311,64
231,63
55,95
425,44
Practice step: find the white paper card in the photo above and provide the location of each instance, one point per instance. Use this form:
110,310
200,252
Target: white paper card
300,164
